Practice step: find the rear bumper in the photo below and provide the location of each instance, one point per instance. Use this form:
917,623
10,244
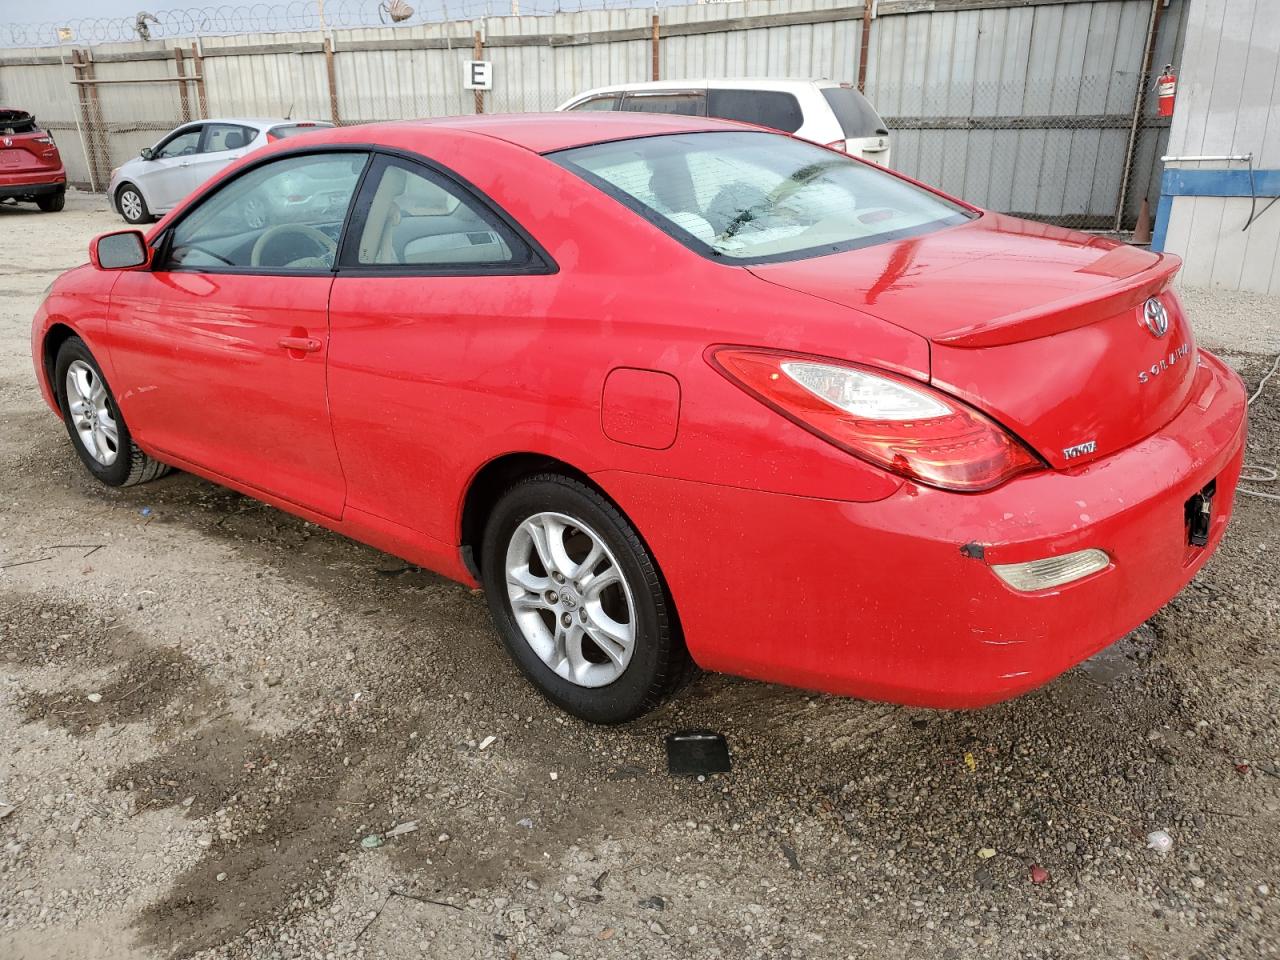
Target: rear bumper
878,600
38,184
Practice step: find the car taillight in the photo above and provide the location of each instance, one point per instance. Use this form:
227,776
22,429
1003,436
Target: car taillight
900,425
839,145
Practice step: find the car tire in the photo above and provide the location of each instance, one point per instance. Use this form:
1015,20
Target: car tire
53,202
132,205
599,688
118,462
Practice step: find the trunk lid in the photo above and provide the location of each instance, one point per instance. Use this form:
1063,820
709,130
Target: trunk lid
24,147
1041,328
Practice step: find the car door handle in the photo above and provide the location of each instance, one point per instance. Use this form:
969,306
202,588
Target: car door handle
305,344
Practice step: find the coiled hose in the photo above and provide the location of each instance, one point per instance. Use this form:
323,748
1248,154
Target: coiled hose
1260,472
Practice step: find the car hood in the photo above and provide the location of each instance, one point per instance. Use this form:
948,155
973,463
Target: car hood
1041,327
130,169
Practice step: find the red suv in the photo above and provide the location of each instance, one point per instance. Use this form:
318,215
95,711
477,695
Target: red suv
30,166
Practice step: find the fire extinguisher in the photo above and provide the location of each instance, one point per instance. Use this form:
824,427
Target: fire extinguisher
1166,91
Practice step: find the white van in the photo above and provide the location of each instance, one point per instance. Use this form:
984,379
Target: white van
833,114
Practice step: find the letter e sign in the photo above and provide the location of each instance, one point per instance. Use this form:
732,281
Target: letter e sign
478,75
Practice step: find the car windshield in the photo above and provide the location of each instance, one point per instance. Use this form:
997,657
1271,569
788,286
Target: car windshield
759,197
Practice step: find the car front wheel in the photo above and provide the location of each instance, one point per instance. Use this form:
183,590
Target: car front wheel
97,430
578,600
132,205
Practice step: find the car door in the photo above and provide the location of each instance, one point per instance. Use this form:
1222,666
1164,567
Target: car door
220,144
433,285
168,176
224,341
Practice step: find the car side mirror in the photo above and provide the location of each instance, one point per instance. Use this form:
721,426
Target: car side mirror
147,154
119,251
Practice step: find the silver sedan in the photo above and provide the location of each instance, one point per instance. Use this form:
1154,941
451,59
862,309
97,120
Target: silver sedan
153,183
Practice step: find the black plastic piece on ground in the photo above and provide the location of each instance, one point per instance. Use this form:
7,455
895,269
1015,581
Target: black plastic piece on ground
692,753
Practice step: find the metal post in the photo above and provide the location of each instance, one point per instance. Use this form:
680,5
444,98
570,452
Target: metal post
198,60
183,94
88,94
655,42
333,79
868,14
1153,28
84,147
477,53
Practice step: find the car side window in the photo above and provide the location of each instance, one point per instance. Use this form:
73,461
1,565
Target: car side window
411,218
684,104
226,136
598,103
767,108
283,216
182,144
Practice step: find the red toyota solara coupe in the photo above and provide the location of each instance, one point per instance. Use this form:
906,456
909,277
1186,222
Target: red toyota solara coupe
671,389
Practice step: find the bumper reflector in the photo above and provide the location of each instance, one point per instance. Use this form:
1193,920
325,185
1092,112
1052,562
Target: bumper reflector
1051,571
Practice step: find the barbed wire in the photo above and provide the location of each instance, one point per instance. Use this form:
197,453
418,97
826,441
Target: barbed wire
292,15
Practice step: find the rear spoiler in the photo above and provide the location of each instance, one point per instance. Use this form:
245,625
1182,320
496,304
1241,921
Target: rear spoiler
1080,310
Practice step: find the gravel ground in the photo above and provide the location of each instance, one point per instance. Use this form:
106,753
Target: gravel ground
205,704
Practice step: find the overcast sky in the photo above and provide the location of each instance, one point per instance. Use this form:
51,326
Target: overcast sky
353,11
24,11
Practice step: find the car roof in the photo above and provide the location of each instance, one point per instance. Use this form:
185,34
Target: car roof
539,132
785,84
252,121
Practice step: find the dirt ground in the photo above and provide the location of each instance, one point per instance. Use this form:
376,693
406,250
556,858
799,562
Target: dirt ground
206,704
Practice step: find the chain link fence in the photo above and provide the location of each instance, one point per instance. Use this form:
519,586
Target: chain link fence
1053,151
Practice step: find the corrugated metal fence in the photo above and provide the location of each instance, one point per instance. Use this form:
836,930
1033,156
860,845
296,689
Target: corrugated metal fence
1018,105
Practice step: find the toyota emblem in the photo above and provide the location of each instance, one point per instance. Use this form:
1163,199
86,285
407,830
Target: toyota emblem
1155,317
8,141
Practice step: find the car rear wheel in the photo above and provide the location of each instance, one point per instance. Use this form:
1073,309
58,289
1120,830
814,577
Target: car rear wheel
53,202
131,204
578,600
97,430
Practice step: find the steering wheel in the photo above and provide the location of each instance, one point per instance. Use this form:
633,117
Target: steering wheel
321,239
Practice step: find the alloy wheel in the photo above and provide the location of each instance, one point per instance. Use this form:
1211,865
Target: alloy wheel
570,599
131,205
91,413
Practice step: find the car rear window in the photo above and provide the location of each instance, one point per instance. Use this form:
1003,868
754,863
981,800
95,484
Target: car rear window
856,115
17,121
767,108
746,197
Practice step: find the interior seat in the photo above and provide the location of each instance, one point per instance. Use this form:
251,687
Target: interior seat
377,240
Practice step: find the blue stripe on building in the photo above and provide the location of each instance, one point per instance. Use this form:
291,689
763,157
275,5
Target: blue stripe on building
1209,183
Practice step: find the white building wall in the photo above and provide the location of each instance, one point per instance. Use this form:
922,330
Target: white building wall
1228,104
